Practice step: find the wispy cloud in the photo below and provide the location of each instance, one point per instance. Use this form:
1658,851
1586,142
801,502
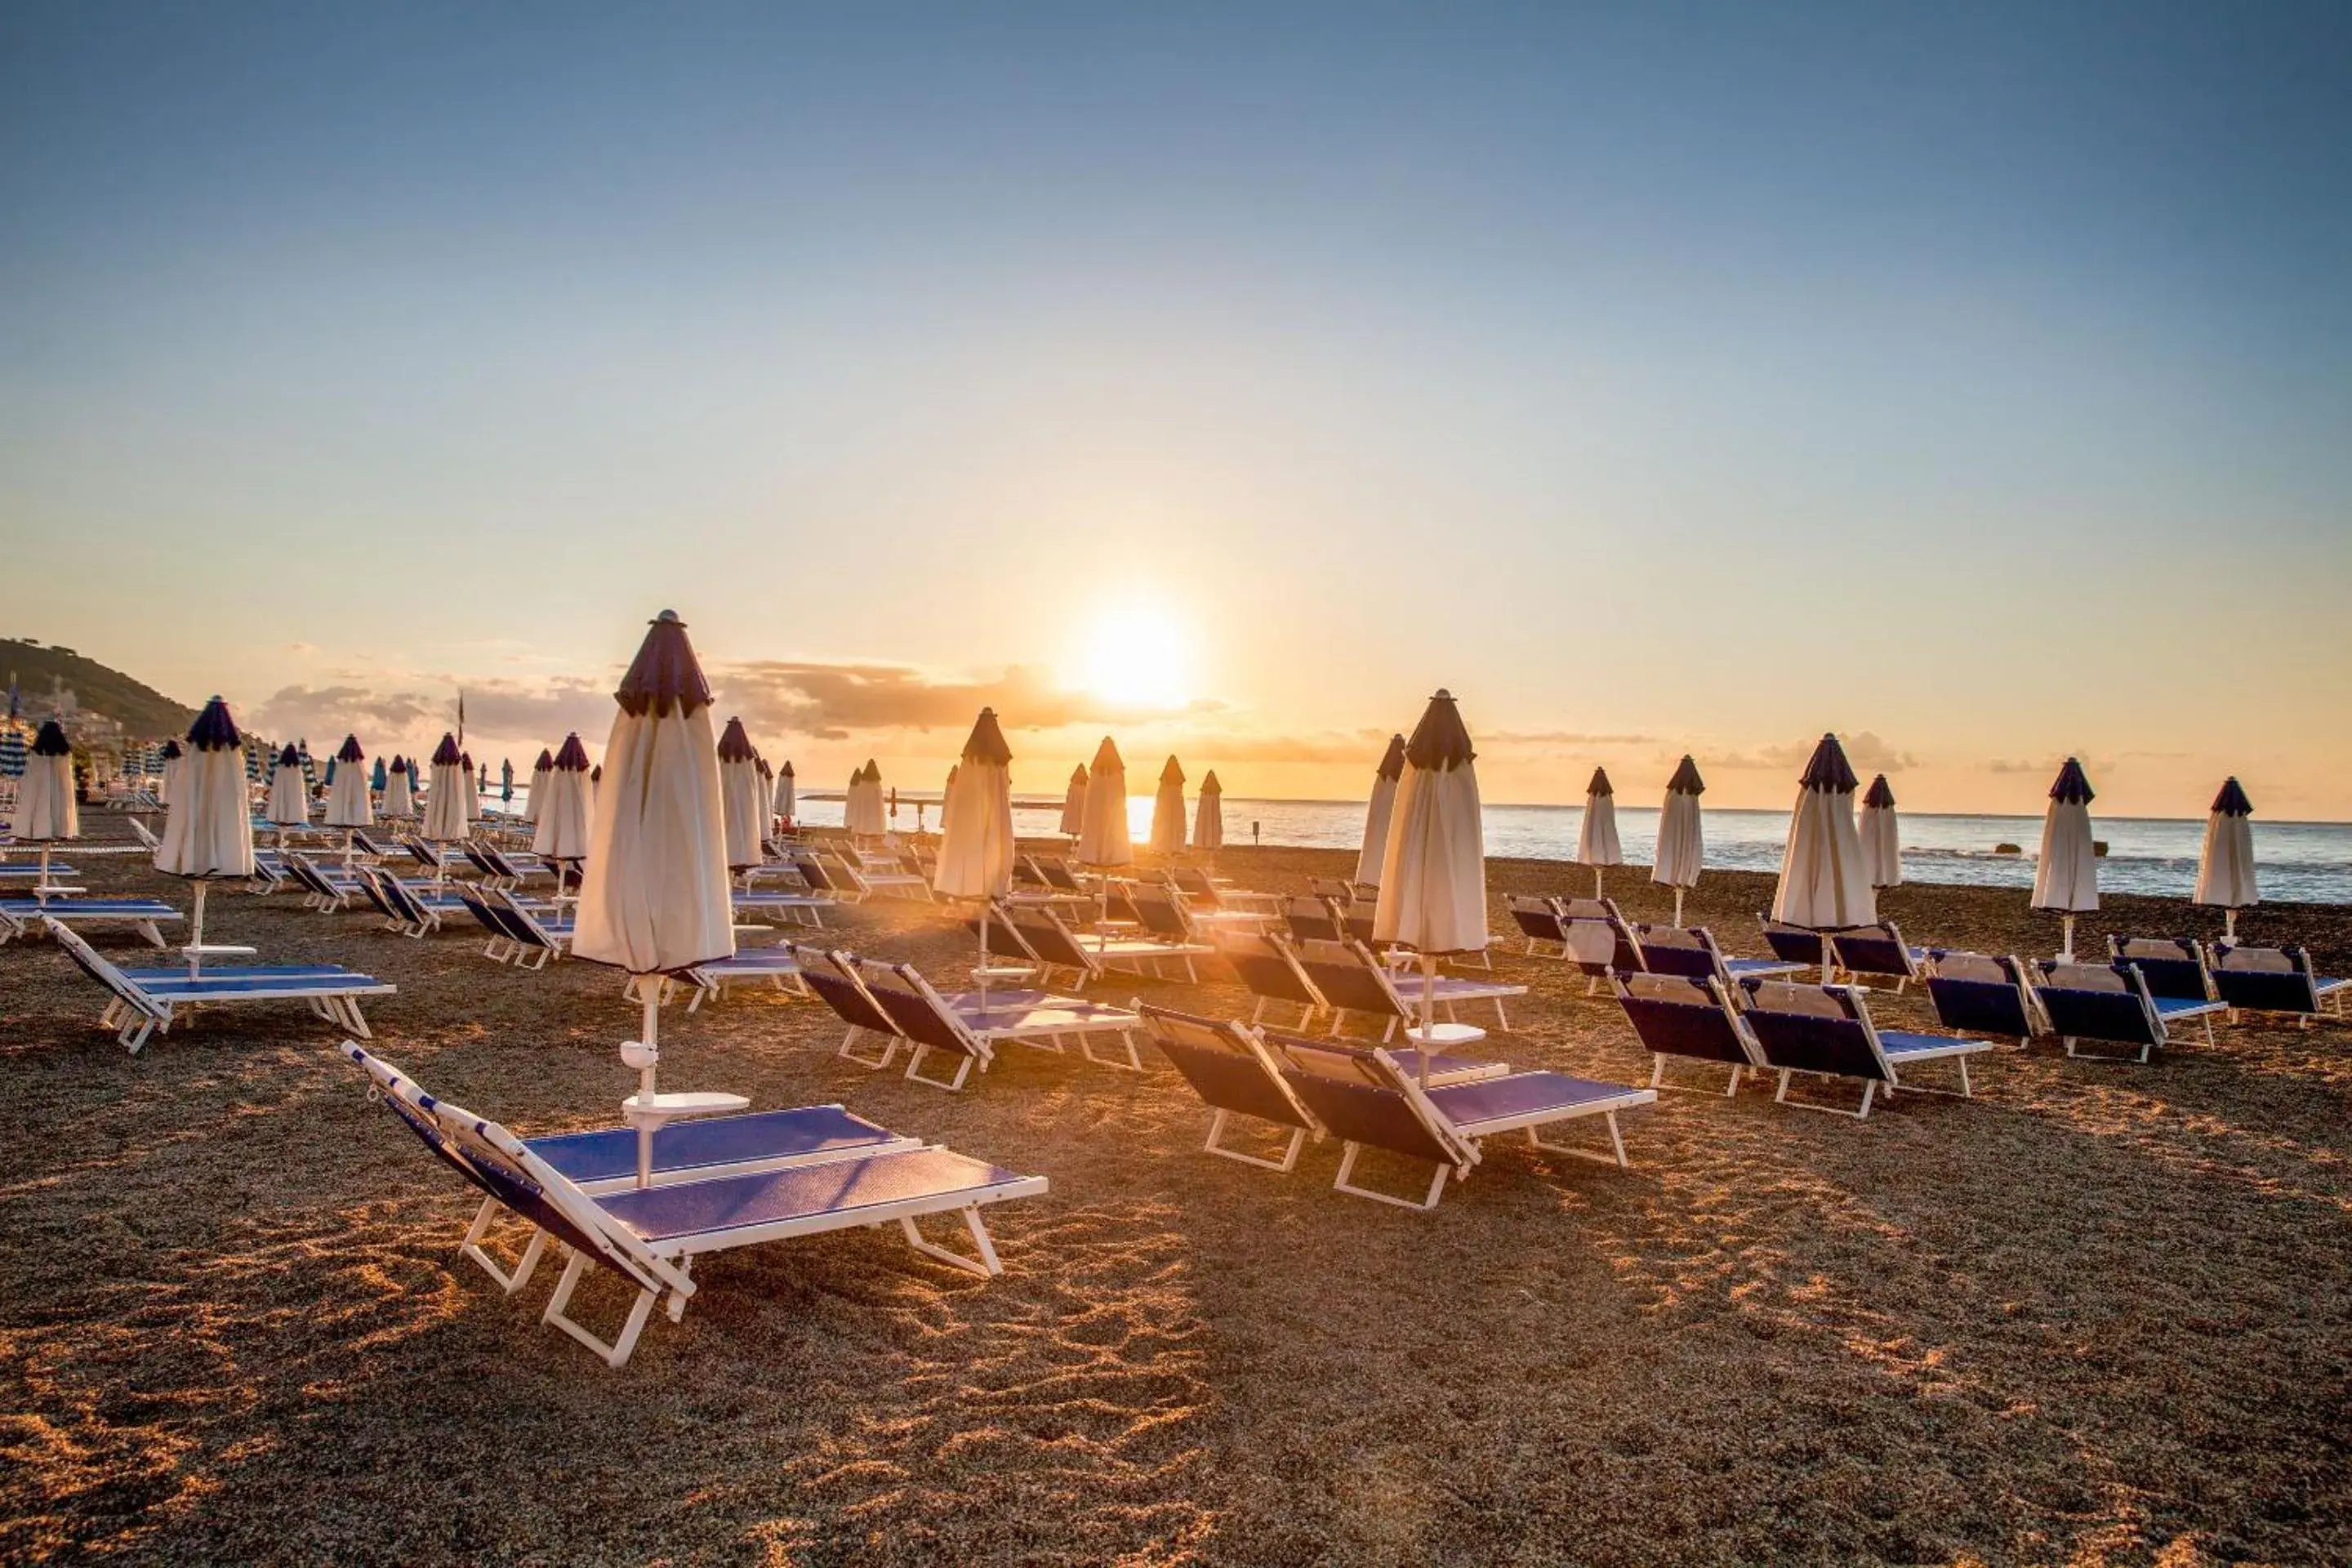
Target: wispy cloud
830,700
1864,750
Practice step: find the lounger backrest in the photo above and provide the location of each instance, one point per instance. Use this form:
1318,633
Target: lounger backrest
1349,978
920,1013
309,876
1058,875
2266,979
87,958
813,872
1268,967
1676,1016
1872,950
535,1189
404,903
1357,919
366,845
1193,882
491,918
1977,994
1688,951
2173,966
1601,946
1310,919
1226,1065
1586,908
1160,913
1536,918
1814,1028
1050,941
1791,945
834,979
1358,1095
524,923
2090,1002
1331,887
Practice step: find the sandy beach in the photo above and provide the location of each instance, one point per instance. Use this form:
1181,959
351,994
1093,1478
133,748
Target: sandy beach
2100,1314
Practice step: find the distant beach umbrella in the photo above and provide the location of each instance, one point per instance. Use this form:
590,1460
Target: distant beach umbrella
1102,837
654,896
864,811
448,814
2225,866
209,832
1882,843
742,804
1209,816
379,780
349,806
1167,811
289,794
1682,847
766,805
309,769
1433,876
468,784
253,750
788,801
976,845
1378,815
400,790
506,781
45,810
561,832
12,752
2066,877
1822,885
539,772
170,772
1074,803
1596,840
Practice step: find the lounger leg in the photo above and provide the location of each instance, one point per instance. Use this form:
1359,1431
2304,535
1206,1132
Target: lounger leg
351,1011
1348,1165
985,1266
1502,1022
949,1084
1615,1143
616,1354
890,1049
472,1247
1257,1014
1289,1154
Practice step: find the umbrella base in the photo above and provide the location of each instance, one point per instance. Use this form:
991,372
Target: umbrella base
1436,1038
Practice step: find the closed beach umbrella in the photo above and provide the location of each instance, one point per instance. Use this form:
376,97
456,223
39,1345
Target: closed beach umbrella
788,802
289,794
447,819
399,790
1102,837
1822,885
209,832
348,803
1074,803
2066,877
1378,815
1596,840
976,846
1881,844
1434,875
171,773
309,769
539,772
653,897
381,779
1209,818
12,752
1167,811
2225,866
766,803
741,801
470,785
561,831
866,810
46,811
1682,848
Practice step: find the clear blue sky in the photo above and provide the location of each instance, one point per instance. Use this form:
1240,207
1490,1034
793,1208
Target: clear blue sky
1712,374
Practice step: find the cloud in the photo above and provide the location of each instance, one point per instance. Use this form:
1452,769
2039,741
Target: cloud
1559,738
307,710
2048,767
828,701
1865,751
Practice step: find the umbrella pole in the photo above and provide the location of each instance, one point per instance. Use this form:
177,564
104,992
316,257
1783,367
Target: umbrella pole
2229,923
1428,1011
2066,939
42,892
196,932
1679,906
1828,959
1596,881
649,990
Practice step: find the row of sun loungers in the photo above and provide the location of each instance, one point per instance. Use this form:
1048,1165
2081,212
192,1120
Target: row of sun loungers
149,1001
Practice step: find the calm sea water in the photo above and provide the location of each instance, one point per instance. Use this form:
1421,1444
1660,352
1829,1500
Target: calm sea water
2299,861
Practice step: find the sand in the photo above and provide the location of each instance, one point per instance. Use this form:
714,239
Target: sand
2100,1314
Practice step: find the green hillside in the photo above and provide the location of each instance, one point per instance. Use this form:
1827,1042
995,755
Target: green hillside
141,710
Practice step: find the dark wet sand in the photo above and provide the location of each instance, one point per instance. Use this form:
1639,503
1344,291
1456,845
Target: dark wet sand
2101,1314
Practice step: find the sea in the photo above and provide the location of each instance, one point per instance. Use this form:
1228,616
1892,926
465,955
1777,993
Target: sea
2298,862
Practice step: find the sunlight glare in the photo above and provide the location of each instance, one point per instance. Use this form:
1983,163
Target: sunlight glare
1137,654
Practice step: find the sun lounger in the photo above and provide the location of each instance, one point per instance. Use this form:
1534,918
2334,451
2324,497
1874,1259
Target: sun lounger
500,870
1691,952
794,908
1826,1031
1877,952
878,874
2111,1005
1799,947
1351,980
2274,980
1980,993
773,967
1307,920
1693,1019
1367,1099
965,1027
1269,967
831,884
147,1001
2173,967
25,917
31,871
1205,895
412,912
650,1235
326,888
1055,872
539,932
1046,942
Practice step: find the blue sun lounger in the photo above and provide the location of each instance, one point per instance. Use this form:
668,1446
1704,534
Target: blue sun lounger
1691,952
2112,1005
2175,967
147,1001
1879,953
30,870
1826,1031
412,912
847,1174
1365,1097
24,917
1692,1019
1983,993
799,909
2274,980
769,966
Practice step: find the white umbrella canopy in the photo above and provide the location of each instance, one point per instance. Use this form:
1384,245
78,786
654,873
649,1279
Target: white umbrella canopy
1074,804
348,804
1433,876
864,811
764,806
473,785
2225,864
2066,877
1102,837
1681,846
539,772
209,832
164,785
742,801
45,809
788,801
1596,844
1167,811
1882,841
446,818
289,794
1378,815
399,791
976,847
561,831
655,899
1209,816
1822,886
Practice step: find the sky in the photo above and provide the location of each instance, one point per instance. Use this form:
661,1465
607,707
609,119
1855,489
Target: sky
1974,382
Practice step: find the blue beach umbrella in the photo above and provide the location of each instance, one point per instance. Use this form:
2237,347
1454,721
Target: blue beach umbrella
12,753
377,783
506,780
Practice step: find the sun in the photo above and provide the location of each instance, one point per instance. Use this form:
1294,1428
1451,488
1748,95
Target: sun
1138,655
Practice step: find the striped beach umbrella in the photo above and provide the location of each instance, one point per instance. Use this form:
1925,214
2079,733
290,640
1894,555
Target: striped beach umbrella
309,770
12,752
